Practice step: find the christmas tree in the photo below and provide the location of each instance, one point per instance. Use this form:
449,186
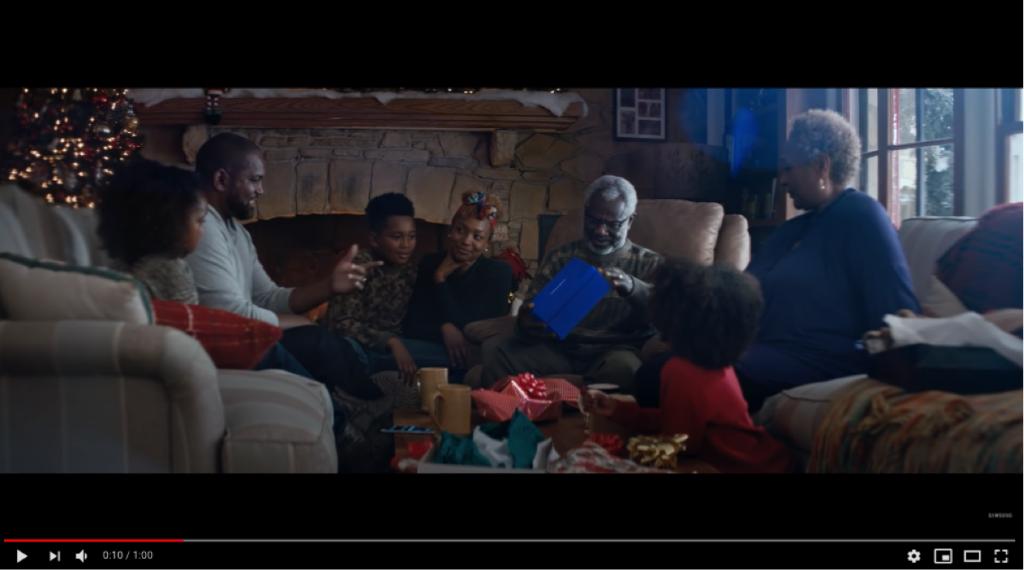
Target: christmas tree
66,140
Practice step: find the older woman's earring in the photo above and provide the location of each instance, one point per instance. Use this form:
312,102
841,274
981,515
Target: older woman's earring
822,183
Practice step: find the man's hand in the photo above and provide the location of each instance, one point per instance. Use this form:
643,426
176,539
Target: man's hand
447,267
620,280
532,326
406,365
456,344
348,276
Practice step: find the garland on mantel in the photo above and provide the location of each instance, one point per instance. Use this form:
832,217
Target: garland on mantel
554,99
213,94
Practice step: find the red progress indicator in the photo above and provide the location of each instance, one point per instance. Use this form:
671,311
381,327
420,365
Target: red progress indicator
94,540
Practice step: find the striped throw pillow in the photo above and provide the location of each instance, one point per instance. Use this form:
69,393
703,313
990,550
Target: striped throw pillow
233,342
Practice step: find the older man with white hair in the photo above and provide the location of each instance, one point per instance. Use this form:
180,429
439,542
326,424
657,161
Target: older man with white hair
605,346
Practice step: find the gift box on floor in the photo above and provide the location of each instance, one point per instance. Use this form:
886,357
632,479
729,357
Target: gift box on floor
541,399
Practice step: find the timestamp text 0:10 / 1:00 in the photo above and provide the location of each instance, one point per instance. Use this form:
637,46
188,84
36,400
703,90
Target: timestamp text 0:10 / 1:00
127,554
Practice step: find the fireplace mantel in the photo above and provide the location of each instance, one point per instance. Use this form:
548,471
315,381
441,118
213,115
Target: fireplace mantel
364,113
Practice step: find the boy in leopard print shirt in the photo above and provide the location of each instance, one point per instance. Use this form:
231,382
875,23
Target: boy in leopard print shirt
371,319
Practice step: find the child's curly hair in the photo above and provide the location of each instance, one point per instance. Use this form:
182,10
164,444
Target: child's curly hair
709,314
481,204
143,209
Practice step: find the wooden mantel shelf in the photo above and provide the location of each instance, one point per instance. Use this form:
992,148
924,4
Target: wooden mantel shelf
364,113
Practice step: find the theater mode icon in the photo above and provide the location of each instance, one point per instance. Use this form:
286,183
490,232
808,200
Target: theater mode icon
972,556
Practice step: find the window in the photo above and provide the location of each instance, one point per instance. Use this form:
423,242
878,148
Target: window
907,144
1009,174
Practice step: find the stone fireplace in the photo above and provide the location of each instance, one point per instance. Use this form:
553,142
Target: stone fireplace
319,180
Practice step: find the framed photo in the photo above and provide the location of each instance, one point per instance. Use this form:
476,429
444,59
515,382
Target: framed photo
640,115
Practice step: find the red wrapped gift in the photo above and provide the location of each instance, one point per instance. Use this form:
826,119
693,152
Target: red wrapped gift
540,399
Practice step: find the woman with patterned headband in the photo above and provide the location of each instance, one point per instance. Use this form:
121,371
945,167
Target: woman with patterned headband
458,286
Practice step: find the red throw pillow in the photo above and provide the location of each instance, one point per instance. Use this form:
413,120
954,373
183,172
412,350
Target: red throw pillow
984,268
232,341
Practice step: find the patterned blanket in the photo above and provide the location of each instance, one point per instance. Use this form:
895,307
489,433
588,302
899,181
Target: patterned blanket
878,428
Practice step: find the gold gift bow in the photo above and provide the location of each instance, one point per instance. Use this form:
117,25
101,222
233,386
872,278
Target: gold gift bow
658,452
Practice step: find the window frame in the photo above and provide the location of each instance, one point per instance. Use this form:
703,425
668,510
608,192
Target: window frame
1008,123
886,152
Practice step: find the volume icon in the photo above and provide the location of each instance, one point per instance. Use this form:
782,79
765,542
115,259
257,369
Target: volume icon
80,556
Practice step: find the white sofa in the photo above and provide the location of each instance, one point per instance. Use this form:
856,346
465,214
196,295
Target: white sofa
107,396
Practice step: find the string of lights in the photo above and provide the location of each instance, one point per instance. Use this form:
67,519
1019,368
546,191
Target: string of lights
67,140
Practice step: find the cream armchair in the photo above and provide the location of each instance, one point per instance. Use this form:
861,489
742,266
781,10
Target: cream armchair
109,397
104,396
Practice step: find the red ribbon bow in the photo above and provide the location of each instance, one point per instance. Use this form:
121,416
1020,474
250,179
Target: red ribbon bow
535,389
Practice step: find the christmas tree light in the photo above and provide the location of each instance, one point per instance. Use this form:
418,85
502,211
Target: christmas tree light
67,140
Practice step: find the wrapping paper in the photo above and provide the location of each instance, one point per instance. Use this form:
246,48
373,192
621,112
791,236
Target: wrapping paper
968,329
592,458
521,393
611,443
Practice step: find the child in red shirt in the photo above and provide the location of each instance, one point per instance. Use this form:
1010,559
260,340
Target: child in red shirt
709,316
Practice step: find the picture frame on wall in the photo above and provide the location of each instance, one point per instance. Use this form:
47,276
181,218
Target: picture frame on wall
640,115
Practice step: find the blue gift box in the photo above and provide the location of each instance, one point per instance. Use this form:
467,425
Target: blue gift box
570,295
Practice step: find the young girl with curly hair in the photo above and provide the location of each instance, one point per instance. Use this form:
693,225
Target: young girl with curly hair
150,217
709,316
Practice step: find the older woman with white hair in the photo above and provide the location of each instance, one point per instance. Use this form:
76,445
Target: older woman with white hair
605,346
828,276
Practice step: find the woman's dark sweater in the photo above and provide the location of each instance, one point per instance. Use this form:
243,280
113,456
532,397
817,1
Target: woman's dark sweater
480,294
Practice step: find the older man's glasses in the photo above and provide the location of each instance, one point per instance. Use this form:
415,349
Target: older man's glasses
595,223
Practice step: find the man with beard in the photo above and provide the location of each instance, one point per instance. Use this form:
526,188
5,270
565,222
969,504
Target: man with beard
229,276
605,346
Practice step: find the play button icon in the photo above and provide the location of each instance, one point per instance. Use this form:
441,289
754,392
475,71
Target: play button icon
21,556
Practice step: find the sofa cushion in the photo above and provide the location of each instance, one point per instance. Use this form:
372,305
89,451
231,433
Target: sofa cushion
924,240
33,290
733,245
794,416
939,302
984,268
276,423
232,341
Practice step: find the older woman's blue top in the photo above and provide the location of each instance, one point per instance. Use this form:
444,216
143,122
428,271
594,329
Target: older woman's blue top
826,279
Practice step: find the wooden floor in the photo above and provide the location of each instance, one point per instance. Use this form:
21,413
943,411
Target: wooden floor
565,434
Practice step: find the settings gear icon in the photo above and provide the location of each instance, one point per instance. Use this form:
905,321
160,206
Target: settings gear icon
914,556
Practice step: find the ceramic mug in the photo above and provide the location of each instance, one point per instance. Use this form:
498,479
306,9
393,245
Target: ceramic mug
452,406
429,380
